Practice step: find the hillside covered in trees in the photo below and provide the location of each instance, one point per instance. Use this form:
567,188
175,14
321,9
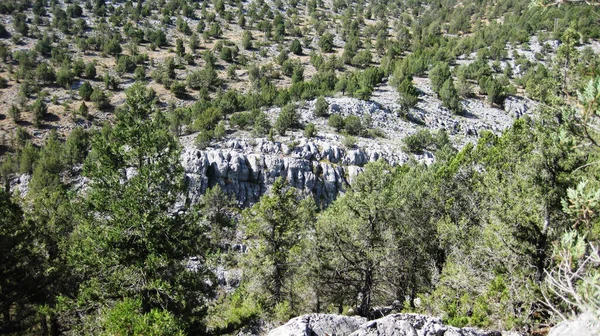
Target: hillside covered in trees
176,167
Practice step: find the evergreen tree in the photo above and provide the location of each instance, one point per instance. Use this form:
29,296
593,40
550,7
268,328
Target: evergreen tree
277,226
449,97
288,118
438,75
131,224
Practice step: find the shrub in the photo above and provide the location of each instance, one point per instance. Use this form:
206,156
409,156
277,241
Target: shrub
349,141
14,113
90,71
321,107
203,139
296,47
288,118
416,143
84,110
39,111
99,97
262,125
326,42
450,97
409,95
438,75
336,121
310,130
86,90
178,89
353,125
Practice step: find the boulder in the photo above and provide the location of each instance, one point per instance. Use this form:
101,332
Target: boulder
583,325
391,325
415,325
319,325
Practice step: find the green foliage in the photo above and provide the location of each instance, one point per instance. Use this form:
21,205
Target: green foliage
76,147
409,95
321,107
450,97
276,226
438,75
86,90
336,121
326,42
129,225
126,317
310,130
296,47
288,118
353,125
234,311
39,109
100,99
14,113
423,140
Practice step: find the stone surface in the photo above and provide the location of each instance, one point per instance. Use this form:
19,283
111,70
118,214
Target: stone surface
391,325
247,168
583,325
319,325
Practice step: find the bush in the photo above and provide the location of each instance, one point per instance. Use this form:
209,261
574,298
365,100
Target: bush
14,113
349,141
86,90
438,75
296,47
353,125
409,95
321,107
227,54
178,89
262,126
241,120
39,111
84,110
99,97
310,131
326,42
90,71
336,121
416,143
288,118
3,83
450,97
203,139
64,77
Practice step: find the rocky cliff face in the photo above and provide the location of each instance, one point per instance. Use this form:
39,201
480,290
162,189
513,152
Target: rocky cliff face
246,168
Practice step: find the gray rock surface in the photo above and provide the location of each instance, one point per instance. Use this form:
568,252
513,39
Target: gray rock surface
391,325
319,325
415,325
247,168
583,325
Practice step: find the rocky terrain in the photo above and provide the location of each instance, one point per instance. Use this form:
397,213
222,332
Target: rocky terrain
246,166
391,325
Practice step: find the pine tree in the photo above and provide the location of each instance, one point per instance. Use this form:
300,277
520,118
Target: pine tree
132,242
277,226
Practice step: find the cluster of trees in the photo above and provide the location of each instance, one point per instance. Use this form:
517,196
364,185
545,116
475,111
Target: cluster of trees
470,236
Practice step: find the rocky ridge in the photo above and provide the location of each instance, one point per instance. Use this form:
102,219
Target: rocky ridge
391,325
246,167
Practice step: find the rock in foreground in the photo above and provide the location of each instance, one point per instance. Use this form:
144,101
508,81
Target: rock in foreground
391,325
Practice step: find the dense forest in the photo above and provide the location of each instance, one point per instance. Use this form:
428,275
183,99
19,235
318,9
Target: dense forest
99,233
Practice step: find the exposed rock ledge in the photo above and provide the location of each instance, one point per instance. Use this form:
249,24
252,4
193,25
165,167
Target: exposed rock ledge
391,325
247,168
